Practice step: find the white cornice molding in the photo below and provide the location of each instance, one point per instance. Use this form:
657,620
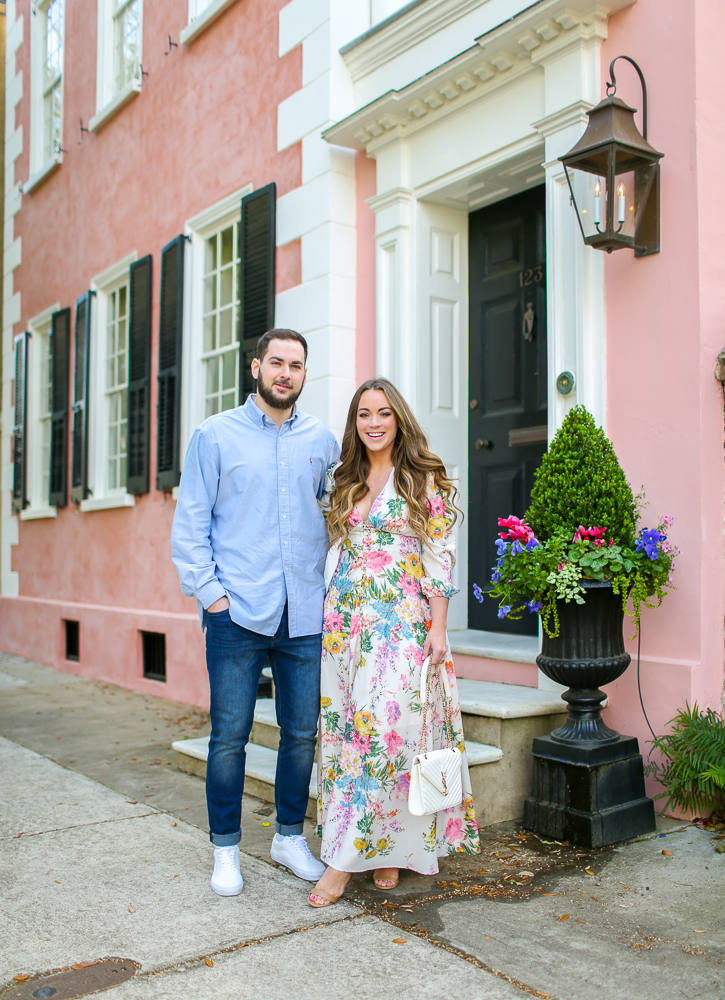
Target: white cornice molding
400,32
219,212
108,111
499,57
573,114
202,21
43,318
115,272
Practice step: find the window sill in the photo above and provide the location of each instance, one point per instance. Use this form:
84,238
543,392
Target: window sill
495,645
122,98
36,513
48,168
108,503
202,21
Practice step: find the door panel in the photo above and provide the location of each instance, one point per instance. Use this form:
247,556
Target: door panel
507,380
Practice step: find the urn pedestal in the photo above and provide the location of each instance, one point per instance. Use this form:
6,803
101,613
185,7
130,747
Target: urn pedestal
588,783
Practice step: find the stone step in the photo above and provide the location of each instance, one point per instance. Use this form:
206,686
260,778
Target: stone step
261,766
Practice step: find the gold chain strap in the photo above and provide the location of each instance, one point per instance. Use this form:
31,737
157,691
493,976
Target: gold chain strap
447,721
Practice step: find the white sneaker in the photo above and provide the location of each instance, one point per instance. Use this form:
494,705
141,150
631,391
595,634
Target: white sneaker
293,853
227,879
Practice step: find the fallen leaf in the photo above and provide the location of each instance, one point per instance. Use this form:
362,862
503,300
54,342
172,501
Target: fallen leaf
57,882
133,802
565,917
131,909
83,965
176,876
456,885
527,874
550,894
21,979
20,835
265,824
209,962
699,932
399,941
588,871
488,938
174,824
625,886
668,852
580,921
595,898
482,871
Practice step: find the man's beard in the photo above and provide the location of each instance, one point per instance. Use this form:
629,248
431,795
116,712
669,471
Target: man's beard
279,403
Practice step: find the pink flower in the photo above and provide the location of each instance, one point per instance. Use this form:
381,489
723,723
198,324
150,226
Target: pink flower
353,518
436,505
404,783
393,742
519,531
454,830
355,625
378,559
408,585
393,710
361,743
333,621
593,535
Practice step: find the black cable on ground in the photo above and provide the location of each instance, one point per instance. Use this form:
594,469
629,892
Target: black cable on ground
639,685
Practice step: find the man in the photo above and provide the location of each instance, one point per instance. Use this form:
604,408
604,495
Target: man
249,542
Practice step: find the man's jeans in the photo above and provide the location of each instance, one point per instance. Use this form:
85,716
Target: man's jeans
234,659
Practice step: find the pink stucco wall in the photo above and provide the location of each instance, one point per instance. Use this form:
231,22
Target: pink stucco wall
664,332
365,182
204,125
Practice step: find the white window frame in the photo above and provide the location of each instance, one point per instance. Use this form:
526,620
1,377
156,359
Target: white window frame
110,98
224,213
202,13
41,165
102,496
38,477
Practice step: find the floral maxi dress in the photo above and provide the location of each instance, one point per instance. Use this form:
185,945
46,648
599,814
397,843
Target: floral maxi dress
376,620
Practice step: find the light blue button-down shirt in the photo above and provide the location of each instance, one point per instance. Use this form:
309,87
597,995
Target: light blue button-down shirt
248,525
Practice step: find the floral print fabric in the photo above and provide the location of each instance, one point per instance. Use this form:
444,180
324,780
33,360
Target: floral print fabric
376,620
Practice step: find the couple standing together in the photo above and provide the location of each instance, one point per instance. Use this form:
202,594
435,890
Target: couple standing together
265,493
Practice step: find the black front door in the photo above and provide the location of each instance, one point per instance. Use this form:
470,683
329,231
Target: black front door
507,416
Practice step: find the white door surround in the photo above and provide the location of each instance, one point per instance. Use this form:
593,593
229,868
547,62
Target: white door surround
486,125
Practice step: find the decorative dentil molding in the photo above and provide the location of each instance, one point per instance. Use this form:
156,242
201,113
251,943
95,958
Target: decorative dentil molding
499,57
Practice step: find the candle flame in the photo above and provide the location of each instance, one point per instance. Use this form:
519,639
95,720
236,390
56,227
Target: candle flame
597,189
621,190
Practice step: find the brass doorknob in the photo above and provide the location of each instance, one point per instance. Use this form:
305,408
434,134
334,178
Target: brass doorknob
484,443
473,404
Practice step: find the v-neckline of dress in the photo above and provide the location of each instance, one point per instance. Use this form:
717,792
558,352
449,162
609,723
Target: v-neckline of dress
366,520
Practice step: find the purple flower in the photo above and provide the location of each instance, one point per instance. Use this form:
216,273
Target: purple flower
533,606
478,593
502,546
531,545
647,542
496,576
516,548
503,611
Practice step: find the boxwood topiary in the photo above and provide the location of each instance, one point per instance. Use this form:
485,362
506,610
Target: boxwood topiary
580,482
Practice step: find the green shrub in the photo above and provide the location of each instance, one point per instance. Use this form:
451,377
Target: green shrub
580,482
692,768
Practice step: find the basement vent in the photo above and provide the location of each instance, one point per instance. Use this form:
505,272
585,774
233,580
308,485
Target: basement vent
72,640
154,656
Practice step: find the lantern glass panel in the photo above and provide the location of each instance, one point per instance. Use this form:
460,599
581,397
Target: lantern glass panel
623,222
590,194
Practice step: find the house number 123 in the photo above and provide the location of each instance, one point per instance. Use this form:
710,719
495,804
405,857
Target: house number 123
531,275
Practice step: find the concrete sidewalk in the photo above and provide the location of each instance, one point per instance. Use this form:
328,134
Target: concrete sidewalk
96,861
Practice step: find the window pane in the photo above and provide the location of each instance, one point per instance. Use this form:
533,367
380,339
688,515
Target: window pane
212,376
225,286
225,328
210,333
210,255
227,238
128,43
229,370
210,293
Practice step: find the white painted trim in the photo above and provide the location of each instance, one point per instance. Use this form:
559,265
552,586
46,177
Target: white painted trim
38,513
211,217
132,88
48,168
202,21
114,273
110,502
39,327
43,318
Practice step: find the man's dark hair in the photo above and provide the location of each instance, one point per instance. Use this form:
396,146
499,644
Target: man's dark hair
263,342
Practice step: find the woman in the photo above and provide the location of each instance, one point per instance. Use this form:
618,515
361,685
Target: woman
389,509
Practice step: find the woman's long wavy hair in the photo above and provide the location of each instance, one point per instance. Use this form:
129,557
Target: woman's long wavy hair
412,460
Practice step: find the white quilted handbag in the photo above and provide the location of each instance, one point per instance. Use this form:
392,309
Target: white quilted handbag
438,778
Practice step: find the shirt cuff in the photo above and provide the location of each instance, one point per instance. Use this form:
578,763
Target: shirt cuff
209,593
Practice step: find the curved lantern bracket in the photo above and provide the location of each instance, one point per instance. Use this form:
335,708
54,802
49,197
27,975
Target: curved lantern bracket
611,86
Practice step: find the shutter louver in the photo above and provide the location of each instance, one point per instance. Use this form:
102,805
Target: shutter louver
257,251
79,459
139,377
60,369
20,501
171,324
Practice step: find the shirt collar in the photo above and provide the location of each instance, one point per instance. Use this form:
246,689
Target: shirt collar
260,418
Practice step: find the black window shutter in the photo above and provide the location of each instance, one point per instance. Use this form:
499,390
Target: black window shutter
139,377
257,246
79,459
171,324
60,370
20,424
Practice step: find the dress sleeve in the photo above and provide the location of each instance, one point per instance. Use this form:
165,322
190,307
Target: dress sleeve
328,487
439,550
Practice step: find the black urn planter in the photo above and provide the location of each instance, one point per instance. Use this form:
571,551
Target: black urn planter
588,782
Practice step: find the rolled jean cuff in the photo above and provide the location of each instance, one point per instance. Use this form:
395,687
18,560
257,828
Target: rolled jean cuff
225,839
288,831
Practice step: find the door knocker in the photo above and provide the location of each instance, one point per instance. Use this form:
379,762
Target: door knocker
529,322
